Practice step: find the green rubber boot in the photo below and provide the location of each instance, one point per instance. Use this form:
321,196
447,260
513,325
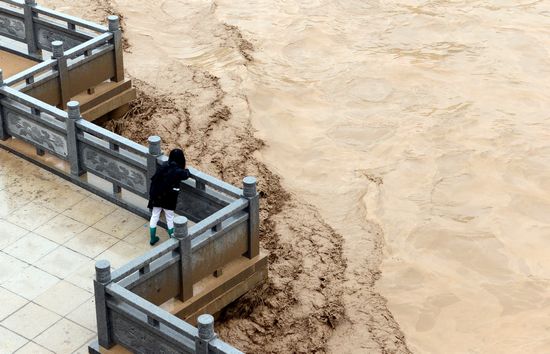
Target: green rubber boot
171,232
153,233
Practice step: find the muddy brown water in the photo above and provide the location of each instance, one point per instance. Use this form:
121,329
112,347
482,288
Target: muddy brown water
411,142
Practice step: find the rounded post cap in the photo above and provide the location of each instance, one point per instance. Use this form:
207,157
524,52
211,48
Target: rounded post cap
180,220
162,160
154,145
114,22
103,271
73,105
154,139
57,49
102,264
249,186
180,227
205,323
73,109
30,2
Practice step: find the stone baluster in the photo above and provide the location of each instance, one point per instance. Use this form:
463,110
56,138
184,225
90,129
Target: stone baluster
3,124
205,324
250,193
103,278
58,53
114,28
181,233
30,32
152,160
74,116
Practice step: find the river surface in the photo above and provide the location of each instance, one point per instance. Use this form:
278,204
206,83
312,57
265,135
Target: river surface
429,119
432,119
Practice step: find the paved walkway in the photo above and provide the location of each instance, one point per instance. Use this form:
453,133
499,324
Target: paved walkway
51,233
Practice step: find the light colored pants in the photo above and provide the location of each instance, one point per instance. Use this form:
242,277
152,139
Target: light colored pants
155,217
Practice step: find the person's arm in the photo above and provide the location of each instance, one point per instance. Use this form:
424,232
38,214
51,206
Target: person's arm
177,176
184,174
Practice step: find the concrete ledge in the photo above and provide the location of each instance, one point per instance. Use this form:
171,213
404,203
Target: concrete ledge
110,104
101,93
214,293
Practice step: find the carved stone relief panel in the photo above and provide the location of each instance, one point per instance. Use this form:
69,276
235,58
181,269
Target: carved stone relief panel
109,166
46,36
12,26
139,338
19,126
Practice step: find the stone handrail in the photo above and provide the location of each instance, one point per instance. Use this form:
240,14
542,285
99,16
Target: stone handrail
88,147
16,3
29,75
154,314
214,225
205,180
142,263
37,25
169,271
227,218
27,112
98,52
89,45
32,103
214,221
166,272
71,21
48,69
201,235
129,320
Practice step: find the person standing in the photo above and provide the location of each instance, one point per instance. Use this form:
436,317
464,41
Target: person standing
163,194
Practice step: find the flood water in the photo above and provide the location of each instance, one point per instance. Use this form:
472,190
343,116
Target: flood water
429,119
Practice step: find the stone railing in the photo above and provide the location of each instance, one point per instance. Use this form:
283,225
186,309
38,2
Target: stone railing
227,225
201,250
38,27
84,145
226,218
89,148
83,54
126,298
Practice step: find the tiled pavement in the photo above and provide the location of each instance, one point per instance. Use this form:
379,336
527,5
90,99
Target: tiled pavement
51,233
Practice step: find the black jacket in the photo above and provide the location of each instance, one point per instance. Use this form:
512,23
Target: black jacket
165,186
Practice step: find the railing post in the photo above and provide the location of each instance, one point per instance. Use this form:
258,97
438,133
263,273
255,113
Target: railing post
114,28
30,33
162,160
200,185
59,53
181,233
102,279
205,324
3,130
154,153
73,109
250,193
116,188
